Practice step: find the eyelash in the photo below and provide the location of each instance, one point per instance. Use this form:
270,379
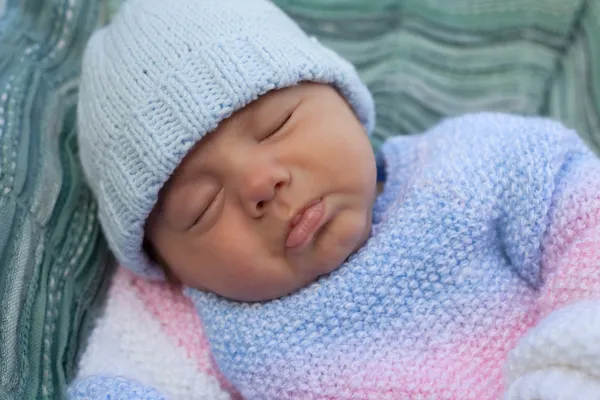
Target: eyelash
205,211
275,131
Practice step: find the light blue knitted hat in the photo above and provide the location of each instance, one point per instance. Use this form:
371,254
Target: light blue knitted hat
166,72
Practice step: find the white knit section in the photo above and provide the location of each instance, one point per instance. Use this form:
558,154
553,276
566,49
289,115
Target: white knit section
128,342
560,358
554,384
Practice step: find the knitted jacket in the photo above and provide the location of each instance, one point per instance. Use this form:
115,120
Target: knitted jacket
148,341
481,279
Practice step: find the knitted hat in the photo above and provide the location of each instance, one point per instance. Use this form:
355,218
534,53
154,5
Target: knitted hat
165,73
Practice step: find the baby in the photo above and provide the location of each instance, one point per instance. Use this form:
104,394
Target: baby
229,153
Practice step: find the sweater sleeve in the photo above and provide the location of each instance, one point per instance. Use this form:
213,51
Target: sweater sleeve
539,187
571,246
560,356
102,387
530,182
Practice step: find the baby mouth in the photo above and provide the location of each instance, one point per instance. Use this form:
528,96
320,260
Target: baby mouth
305,224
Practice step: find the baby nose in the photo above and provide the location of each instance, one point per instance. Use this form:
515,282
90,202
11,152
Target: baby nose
260,186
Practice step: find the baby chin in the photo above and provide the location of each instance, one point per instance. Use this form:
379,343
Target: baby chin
344,240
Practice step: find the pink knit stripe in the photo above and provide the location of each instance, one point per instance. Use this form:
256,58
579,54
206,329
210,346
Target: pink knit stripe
178,319
575,273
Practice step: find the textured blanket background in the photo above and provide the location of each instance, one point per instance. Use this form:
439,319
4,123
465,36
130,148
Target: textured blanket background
422,60
428,59
54,262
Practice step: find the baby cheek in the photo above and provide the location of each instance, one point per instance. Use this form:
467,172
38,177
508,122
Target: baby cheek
345,234
244,258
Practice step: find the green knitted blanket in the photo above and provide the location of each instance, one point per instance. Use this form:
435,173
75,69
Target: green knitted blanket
54,263
424,60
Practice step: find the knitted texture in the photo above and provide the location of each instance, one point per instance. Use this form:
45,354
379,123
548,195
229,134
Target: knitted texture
53,259
488,224
109,387
165,73
424,60
149,340
559,359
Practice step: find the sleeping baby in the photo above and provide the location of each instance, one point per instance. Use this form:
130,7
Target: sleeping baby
229,154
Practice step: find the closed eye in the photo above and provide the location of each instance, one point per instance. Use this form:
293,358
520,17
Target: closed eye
279,127
205,211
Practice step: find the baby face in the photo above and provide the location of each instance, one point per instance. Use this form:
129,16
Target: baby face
280,194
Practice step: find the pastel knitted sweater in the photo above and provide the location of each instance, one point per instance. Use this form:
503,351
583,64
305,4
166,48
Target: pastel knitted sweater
481,280
148,344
